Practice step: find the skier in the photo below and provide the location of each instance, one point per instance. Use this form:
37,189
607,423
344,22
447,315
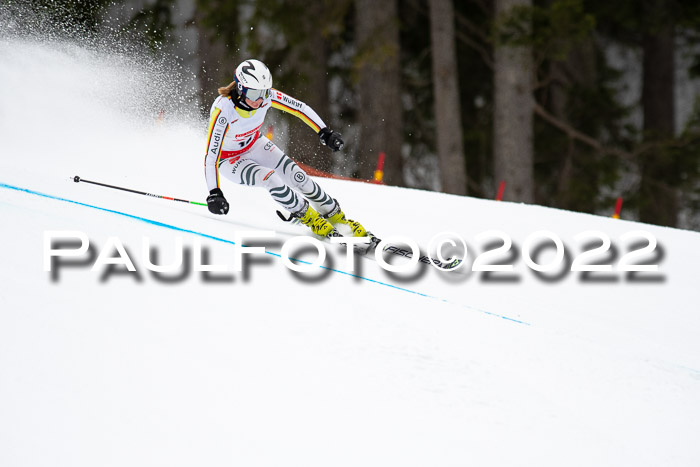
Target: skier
236,149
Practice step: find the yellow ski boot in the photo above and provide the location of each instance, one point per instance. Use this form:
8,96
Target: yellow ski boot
318,225
337,216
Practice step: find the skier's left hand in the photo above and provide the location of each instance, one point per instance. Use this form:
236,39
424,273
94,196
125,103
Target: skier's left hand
216,202
331,138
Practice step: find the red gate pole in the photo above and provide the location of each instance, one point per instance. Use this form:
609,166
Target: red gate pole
501,189
379,173
618,208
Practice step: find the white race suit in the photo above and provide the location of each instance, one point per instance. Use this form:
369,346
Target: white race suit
237,150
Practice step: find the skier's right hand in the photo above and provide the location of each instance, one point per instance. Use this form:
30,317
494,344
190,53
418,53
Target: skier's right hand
216,202
331,138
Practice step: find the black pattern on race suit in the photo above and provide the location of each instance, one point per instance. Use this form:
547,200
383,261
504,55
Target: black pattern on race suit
311,190
265,165
248,172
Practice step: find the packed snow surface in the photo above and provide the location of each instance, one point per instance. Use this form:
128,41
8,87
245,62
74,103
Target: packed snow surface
339,366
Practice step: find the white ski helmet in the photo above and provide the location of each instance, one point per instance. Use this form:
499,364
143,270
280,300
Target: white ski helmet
253,80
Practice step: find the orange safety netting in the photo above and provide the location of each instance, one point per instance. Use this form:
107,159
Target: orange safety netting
320,173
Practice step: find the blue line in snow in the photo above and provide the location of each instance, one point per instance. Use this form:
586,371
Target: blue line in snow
219,239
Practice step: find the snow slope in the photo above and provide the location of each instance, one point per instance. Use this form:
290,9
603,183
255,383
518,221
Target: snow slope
333,367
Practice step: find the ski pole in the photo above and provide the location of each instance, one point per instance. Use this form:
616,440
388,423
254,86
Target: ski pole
77,179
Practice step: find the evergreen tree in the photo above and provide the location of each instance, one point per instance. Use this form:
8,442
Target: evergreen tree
514,105
453,176
376,67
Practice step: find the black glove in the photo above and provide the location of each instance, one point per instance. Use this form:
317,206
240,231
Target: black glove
331,139
216,202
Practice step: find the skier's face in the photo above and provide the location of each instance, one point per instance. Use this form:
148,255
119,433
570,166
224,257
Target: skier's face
253,104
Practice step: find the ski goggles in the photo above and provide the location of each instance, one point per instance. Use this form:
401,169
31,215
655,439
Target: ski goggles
256,94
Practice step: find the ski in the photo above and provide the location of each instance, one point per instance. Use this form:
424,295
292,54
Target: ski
368,250
449,264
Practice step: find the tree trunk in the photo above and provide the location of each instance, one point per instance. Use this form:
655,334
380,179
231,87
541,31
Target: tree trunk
513,115
309,59
379,89
659,200
579,67
453,170
217,65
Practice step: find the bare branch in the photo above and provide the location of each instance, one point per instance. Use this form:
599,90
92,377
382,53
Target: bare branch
548,81
483,6
577,135
472,28
485,54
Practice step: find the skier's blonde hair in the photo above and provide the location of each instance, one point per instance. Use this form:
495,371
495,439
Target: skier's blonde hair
227,91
